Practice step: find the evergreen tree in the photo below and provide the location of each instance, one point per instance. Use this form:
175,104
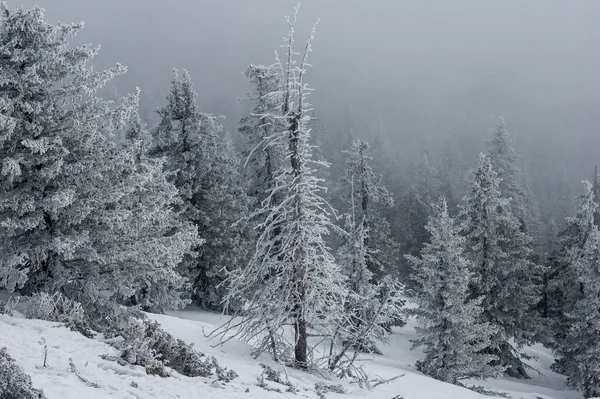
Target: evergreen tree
262,161
210,187
502,272
451,329
292,277
577,346
157,236
365,193
65,211
565,286
364,261
505,162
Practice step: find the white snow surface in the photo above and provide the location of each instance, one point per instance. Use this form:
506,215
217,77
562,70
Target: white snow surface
25,341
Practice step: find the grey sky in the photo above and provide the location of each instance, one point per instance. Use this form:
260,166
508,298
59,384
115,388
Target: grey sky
451,63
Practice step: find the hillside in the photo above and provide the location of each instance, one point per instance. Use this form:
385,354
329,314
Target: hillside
25,340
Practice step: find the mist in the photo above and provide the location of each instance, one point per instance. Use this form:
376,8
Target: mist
413,72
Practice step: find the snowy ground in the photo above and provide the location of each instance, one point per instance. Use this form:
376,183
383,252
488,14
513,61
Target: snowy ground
25,341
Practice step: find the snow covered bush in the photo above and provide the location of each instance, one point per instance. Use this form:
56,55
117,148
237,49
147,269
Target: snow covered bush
57,307
14,383
145,343
4,308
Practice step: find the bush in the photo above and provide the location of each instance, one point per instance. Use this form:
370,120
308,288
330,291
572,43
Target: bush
145,344
14,383
57,307
4,309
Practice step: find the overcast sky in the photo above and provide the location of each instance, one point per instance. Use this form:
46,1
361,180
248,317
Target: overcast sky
536,62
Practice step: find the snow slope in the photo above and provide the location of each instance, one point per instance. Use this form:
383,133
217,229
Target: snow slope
25,341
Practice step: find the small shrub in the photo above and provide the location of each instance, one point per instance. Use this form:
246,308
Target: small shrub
14,383
157,368
321,389
8,306
271,375
4,308
57,307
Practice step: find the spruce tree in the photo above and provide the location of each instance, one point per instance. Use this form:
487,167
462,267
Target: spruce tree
366,195
565,286
367,260
65,209
450,321
579,350
502,271
261,162
156,235
211,190
505,161
576,283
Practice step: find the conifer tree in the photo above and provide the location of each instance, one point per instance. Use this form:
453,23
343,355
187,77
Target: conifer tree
65,210
262,161
505,162
157,235
365,193
577,284
292,277
566,286
451,326
210,187
502,272
373,304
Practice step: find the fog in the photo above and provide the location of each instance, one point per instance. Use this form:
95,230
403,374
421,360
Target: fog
413,72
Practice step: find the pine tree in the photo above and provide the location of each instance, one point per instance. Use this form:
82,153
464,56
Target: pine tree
577,345
157,237
565,286
502,272
64,203
292,277
210,187
373,304
262,161
450,328
505,162
364,191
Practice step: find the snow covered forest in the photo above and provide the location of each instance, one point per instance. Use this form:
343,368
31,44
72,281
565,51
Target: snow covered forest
289,247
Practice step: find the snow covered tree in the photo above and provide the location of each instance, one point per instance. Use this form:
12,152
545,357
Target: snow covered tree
578,322
451,326
65,215
209,184
365,194
505,162
292,277
262,161
373,304
566,286
499,252
157,234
